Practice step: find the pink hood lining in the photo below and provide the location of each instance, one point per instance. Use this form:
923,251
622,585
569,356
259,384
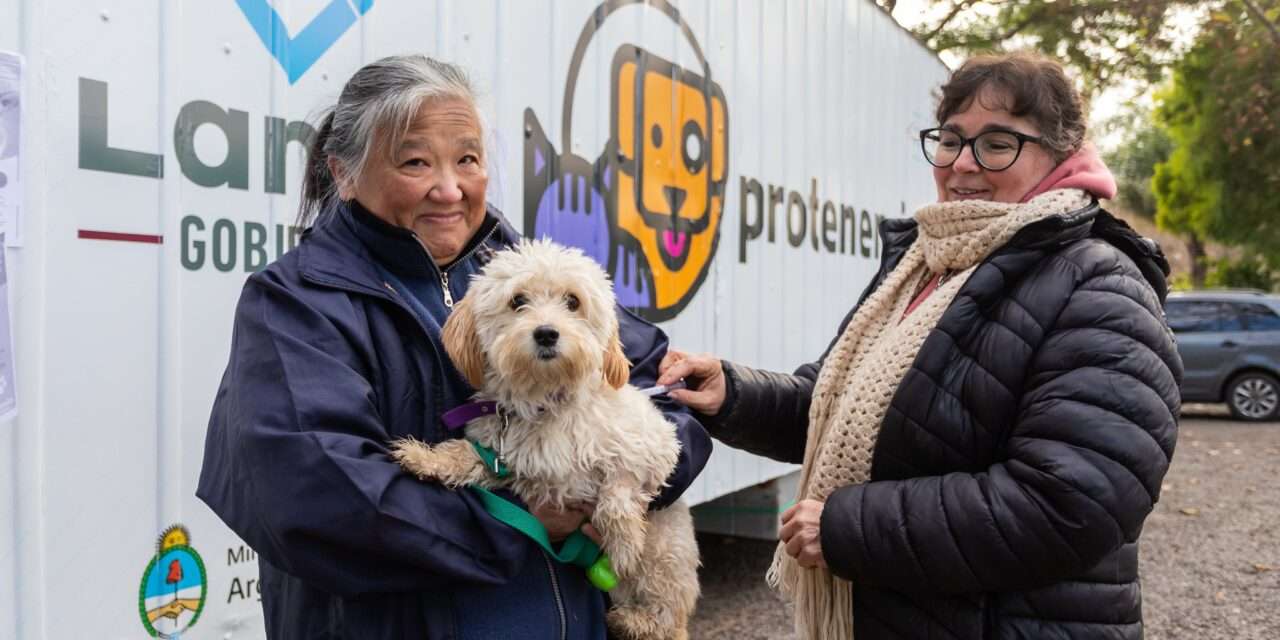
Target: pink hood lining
1083,170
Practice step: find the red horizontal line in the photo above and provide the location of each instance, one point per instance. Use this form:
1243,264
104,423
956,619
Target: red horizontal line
86,234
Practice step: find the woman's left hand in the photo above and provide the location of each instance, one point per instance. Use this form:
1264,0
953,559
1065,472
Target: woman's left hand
560,522
800,533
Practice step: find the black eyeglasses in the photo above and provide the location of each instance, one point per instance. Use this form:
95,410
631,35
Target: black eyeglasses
994,150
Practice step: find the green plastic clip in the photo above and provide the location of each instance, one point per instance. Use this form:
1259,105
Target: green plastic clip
601,574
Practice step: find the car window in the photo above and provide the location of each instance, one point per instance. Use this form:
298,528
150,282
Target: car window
1231,317
1191,316
1188,316
1260,317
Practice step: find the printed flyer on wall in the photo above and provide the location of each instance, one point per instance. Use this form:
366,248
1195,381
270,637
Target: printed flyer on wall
10,128
10,212
8,393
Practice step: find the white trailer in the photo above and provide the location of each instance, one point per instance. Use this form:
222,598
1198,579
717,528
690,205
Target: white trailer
161,146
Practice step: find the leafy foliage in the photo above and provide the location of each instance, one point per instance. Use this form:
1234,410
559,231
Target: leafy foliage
1249,272
1134,161
1222,110
1105,40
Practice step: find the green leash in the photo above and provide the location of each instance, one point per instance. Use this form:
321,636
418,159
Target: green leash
577,549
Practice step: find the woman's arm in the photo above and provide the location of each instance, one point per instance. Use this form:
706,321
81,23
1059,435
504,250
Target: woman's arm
295,463
762,412
765,412
1093,439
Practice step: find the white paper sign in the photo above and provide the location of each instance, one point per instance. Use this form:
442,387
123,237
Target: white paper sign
10,150
8,394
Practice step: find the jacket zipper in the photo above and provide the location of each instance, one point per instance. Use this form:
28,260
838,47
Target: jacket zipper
448,295
555,588
444,274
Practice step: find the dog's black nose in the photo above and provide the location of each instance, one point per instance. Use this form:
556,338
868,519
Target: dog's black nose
546,336
675,198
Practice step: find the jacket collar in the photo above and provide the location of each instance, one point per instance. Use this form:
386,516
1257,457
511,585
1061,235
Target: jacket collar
898,232
338,250
396,248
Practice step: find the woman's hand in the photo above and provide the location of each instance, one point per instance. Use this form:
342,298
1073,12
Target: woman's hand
558,522
704,375
800,533
590,531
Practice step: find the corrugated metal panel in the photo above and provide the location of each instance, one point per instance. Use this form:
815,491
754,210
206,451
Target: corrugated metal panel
120,344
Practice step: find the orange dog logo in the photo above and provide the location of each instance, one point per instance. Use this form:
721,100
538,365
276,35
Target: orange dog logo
649,209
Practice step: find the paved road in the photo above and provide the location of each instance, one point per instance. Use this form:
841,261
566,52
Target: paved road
1210,552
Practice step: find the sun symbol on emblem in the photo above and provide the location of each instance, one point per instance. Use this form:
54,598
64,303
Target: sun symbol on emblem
174,586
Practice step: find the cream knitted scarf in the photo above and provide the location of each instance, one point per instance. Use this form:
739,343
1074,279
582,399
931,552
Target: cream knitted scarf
866,365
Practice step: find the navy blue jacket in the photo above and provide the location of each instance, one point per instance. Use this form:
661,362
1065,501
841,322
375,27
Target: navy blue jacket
329,362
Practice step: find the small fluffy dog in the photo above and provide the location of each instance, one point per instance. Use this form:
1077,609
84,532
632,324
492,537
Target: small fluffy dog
538,334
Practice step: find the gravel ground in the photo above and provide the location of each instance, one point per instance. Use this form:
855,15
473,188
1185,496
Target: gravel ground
1210,551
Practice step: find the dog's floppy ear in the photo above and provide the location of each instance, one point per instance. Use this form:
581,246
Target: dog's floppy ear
462,343
617,369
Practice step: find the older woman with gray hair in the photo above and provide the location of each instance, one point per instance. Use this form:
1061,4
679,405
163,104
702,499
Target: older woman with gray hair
336,352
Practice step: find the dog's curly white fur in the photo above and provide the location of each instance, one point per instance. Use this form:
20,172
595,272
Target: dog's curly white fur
538,333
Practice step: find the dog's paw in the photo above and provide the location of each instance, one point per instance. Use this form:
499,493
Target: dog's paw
625,546
620,519
452,462
417,457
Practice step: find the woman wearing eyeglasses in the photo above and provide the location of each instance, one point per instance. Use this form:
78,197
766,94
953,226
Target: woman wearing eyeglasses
988,430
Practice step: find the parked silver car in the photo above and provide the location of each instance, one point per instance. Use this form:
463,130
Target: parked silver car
1230,346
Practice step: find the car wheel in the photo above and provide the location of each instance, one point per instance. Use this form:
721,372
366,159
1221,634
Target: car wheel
1254,396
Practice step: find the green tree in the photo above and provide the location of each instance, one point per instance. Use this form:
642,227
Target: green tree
1134,161
1104,40
1146,146
1222,180
1184,204
1248,272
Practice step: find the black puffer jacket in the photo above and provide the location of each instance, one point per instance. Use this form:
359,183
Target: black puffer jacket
1021,453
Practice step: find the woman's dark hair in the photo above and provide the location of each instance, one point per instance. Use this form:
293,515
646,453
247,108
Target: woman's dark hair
376,108
1029,86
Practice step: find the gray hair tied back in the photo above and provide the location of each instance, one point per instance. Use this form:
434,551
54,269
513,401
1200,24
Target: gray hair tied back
376,109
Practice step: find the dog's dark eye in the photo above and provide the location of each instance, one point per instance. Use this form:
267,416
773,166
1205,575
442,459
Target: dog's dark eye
518,301
572,302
